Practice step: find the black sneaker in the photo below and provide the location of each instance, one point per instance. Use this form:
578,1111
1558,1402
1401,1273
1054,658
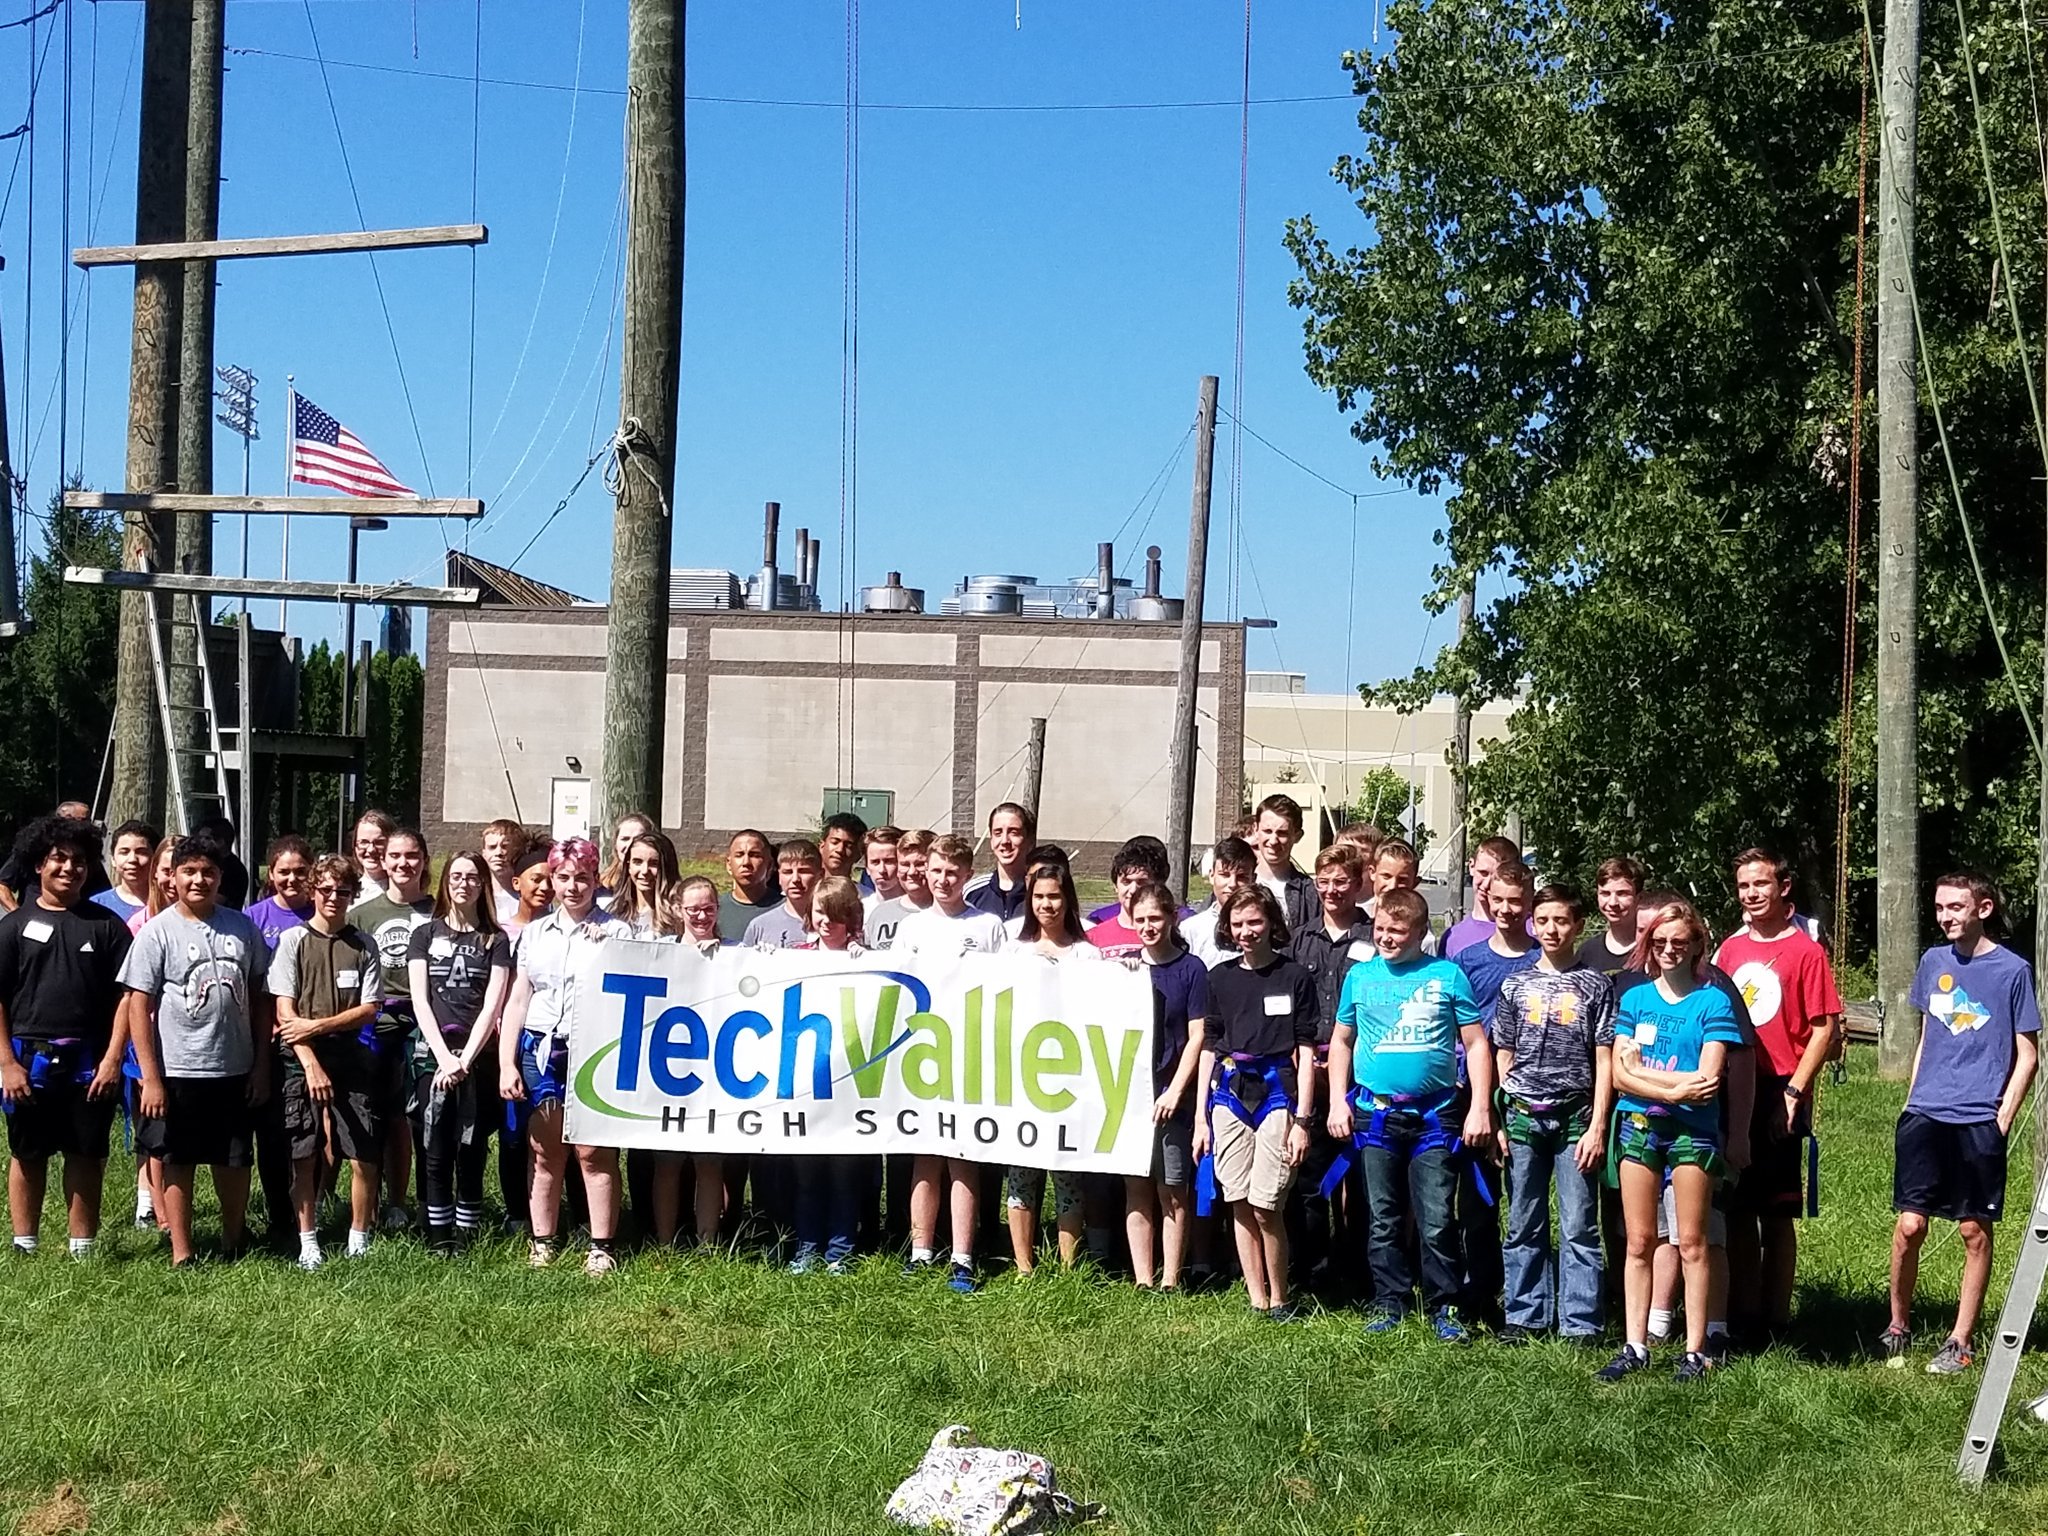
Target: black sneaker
916,1268
1895,1343
1625,1364
1515,1333
1286,1312
1694,1367
1716,1349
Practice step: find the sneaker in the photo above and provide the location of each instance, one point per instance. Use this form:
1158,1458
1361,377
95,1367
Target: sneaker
806,1262
395,1218
145,1221
539,1254
1515,1333
1694,1367
1380,1320
1952,1359
311,1261
1895,1342
599,1261
1717,1349
962,1282
914,1268
1286,1312
1448,1329
1625,1363
839,1266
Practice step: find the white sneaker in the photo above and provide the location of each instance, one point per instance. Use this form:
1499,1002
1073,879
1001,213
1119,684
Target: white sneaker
599,1262
311,1261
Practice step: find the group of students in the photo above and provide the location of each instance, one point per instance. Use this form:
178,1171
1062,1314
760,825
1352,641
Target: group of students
1369,1100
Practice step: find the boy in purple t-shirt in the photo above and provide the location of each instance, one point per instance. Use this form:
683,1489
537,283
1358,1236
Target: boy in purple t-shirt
1976,1060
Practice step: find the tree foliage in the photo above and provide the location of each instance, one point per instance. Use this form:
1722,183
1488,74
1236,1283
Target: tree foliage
1383,800
391,776
1604,297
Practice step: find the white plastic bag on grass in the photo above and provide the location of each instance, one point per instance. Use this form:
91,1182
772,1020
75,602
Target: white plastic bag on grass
964,1489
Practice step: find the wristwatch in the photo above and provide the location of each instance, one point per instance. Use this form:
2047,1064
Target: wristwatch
1795,1093
1306,1122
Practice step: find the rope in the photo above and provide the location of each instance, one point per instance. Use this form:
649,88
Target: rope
1244,163
475,165
1850,559
64,278
846,695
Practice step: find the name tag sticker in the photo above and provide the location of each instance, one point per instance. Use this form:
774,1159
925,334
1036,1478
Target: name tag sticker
1646,1034
441,949
1279,1006
38,930
1360,951
347,981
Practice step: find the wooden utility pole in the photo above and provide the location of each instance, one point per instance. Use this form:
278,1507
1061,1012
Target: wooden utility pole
10,592
1898,532
1461,759
153,373
1180,806
193,539
636,657
1034,765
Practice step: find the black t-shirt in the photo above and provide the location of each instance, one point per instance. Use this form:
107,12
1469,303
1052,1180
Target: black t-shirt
459,966
1594,955
59,970
1263,1012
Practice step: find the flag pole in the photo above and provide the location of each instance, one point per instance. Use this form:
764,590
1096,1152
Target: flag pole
291,444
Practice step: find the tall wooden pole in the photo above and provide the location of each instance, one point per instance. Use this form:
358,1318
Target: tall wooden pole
193,553
1898,533
153,372
1034,765
10,591
1180,806
636,659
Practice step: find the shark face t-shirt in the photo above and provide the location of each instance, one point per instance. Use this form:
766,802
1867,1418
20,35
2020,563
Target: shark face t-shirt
1972,1009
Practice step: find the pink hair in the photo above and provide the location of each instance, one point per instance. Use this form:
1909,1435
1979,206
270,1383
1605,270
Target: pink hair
577,852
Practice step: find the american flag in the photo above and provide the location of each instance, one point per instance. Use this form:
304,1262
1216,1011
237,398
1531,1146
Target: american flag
324,452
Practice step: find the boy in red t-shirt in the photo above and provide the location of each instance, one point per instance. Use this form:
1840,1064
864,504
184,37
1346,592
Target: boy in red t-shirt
1790,989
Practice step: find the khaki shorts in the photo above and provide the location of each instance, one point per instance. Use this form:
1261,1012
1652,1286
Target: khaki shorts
1252,1165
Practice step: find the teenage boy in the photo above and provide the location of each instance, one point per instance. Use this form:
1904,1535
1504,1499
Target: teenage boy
372,829
1553,1039
389,920
839,846
799,864
1395,866
18,876
1153,852
1231,864
1508,949
750,861
1978,1050
913,849
327,979
60,1053
947,927
1619,891
878,861
504,845
131,850
198,1015
1477,927
1790,992
1012,838
1400,1021
1137,864
1327,949
1276,828
530,878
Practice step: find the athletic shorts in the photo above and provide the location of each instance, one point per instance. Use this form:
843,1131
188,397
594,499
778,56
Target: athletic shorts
1717,1217
1773,1185
352,1113
1956,1172
1252,1164
1173,1153
57,1118
207,1120
390,1075
1660,1148
1024,1190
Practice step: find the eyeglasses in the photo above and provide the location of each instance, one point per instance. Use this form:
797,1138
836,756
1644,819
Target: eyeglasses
327,890
464,877
1671,946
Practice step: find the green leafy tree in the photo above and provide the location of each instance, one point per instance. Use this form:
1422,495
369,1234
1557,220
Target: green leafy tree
1383,801
1603,295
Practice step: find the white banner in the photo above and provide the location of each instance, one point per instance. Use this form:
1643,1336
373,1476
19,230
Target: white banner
998,1058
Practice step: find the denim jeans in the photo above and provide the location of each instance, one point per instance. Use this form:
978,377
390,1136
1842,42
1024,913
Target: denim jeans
828,1197
1533,1163
1400,1181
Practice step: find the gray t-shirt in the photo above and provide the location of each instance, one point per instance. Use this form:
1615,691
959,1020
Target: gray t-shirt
204,976
1554,1022
886,918
779,929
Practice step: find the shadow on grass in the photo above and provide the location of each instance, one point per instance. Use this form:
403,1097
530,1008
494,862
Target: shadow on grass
1834,1326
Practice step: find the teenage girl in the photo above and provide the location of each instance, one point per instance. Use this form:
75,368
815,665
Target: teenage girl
1180,990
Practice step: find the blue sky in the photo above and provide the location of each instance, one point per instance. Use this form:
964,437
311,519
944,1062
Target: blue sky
1039,290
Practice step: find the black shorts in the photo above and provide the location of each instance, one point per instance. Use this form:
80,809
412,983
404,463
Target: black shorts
1773,1186
352,1114
58,1118
1956,1172
391,1075
206,1120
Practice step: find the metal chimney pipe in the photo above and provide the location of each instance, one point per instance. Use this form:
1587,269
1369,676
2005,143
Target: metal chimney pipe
770,577
803,546
1152,570
811,561
1105,581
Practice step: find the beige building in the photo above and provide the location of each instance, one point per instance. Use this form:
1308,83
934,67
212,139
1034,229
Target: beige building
768,711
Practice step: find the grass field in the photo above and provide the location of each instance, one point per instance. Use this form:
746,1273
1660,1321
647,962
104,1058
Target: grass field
697,1393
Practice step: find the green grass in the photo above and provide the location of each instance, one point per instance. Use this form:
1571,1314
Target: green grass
686,1393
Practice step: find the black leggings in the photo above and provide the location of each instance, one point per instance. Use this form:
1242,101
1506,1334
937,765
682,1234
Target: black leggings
452,1129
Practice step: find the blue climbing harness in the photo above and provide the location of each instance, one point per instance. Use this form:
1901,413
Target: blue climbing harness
1251,1088
1369,1117
52,1061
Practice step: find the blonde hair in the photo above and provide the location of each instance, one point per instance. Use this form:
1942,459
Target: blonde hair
838,898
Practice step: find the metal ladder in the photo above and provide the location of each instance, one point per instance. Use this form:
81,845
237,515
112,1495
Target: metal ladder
187,766
2022,1295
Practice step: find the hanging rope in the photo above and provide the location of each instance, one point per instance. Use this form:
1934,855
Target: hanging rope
1843,783
845,694
1244,161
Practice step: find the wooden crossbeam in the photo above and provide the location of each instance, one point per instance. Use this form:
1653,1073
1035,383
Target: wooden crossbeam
296,591
283,245
292,506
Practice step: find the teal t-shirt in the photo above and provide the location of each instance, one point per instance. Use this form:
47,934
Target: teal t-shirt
1407,1019
1670,1036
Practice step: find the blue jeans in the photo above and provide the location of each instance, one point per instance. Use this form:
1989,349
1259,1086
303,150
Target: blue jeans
828,1196
1540,1151
1399,1181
